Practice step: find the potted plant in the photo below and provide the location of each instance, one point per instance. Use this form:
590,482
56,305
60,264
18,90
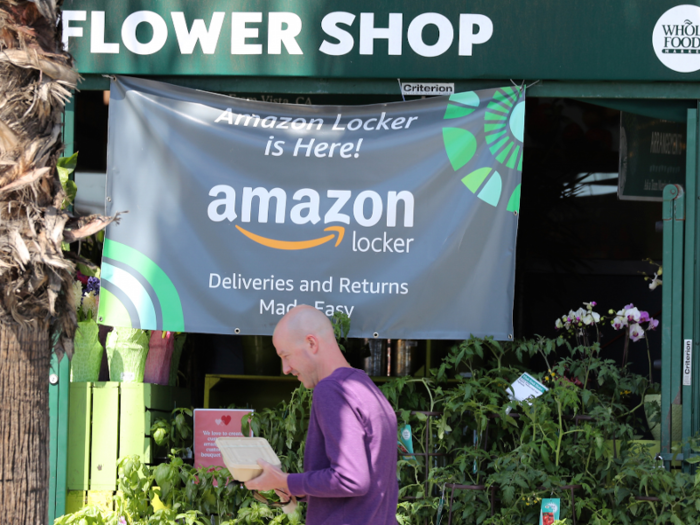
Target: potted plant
87,350
127,349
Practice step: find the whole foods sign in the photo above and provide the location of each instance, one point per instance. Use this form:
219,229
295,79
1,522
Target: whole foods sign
403,216
676,38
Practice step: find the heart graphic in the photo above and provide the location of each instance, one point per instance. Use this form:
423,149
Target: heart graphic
217,421
225,419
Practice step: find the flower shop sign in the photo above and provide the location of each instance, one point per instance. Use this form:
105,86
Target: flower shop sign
403,216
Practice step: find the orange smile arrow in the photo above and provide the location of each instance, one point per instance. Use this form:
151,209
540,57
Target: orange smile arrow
295,245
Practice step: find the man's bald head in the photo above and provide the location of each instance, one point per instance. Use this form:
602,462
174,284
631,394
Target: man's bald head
304,320
305,342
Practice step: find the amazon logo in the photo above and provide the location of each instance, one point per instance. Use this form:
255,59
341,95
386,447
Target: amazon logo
308,207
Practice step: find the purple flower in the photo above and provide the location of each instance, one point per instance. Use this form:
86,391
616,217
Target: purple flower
653,323
593,303
93,285
643,316
629,306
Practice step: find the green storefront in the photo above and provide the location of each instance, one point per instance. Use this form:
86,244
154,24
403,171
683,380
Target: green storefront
638,57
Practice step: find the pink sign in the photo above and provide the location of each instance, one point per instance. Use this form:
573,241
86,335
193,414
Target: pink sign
210,424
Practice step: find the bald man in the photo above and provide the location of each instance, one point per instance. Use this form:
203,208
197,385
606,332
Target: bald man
350,459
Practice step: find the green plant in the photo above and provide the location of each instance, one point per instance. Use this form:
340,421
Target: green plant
341,328
580,432
65,166
284,427
88,516
174,433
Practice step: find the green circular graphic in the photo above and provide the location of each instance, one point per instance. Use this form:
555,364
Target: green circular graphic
516,122
503,134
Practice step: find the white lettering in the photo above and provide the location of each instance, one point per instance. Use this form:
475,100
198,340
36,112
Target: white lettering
276,36
329,24
393,34
228,202
334,215
97,35
467,36
239,33
264,203
358,208
72,32
312,207
226,115
392,201
445,34
160,32
208,38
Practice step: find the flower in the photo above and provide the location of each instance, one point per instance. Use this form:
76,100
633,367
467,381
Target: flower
591,318
653,323
122,520
77,292
643,317
655,282
90,305
633,314
619,322
636,332
93,285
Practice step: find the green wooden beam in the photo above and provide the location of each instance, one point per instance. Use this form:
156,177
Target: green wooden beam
689,271
322,86
677,301
53,435
694,393
62,436
670,194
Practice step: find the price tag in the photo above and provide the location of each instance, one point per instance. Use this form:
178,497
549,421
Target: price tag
526,387
549,511
687,362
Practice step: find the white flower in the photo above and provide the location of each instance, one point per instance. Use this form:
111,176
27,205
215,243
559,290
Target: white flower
90,305
636,332
633,315
655,282
558,324
619,322
591,318
77,292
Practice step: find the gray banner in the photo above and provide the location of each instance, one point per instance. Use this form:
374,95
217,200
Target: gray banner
402,215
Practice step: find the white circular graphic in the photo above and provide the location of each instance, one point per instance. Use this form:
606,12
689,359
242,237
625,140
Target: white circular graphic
676,38
406,434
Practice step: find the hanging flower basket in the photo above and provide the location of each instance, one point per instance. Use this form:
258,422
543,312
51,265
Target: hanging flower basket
87,353
160,352
127,349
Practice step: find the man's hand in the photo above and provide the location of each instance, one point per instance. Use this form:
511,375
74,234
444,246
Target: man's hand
271,478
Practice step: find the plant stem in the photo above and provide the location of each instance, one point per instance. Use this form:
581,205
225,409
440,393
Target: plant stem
627,344
648,358
561,433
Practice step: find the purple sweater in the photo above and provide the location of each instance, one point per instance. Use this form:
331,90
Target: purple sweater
350,458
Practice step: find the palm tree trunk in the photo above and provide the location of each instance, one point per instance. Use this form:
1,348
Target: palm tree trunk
24,423
36,77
